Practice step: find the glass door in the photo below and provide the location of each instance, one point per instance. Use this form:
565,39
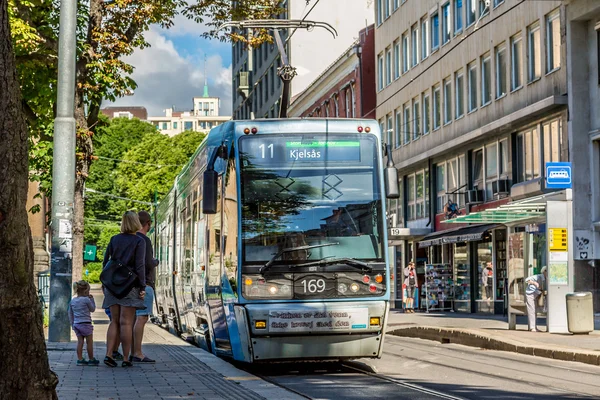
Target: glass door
462,280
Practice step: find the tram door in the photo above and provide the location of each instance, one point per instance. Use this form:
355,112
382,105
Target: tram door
215,274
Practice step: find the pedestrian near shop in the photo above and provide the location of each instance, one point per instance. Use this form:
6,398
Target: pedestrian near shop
124,282
81,308
142,316
487,279
536,285
410,285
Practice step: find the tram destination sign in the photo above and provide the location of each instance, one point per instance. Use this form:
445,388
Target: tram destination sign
264,150
319,320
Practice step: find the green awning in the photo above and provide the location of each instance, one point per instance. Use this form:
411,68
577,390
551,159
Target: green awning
508,213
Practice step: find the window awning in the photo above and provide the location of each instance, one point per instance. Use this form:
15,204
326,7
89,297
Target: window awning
520,211
466,234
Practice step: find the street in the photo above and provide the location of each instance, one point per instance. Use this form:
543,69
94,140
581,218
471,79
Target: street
420,369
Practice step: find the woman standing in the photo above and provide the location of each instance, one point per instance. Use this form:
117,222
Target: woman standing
410,283
128,249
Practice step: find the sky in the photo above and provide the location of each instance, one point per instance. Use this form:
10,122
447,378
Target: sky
171,71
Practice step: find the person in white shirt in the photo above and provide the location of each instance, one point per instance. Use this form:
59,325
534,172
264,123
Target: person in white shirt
536,284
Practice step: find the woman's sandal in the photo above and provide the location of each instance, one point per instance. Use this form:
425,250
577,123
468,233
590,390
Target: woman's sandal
127,364
110,362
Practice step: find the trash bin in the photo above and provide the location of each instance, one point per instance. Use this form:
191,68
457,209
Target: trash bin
580,312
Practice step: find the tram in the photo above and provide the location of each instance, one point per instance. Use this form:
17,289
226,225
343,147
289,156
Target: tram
272,241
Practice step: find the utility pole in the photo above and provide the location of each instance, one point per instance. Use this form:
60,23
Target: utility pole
63,177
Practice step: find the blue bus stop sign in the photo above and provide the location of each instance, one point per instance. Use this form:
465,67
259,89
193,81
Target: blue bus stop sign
558,175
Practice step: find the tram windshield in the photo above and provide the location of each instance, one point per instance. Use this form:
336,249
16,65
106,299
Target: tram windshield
315,192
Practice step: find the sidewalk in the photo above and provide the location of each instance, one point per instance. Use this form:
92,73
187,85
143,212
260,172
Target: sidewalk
181,371
491,332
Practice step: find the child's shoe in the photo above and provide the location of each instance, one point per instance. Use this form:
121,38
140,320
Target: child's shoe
82,362
93,362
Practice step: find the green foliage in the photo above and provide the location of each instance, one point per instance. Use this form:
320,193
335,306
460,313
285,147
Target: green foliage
94,269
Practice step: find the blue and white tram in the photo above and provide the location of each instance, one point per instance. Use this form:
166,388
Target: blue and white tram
272,242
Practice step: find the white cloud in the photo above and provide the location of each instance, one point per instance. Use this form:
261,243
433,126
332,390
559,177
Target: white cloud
167,78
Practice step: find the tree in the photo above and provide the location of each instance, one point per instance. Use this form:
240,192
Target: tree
24,367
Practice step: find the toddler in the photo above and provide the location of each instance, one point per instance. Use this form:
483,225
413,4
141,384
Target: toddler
80,314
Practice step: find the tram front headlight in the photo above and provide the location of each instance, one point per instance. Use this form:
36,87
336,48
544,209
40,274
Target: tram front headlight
267,287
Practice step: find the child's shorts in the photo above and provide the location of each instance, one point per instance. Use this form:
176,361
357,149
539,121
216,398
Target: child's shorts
83,330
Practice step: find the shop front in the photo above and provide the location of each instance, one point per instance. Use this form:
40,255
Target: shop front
476,256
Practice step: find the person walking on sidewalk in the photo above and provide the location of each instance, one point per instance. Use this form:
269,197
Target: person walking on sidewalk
410,283
536,284
129,249
143,315
487,279
81,308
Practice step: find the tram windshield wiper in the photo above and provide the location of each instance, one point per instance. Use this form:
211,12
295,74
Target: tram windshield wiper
352,262
290,249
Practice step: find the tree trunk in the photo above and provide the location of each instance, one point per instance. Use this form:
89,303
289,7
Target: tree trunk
24,368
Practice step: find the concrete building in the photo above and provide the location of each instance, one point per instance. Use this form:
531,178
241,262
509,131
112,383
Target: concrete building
472,97
203,117
128,112
346,88
256,86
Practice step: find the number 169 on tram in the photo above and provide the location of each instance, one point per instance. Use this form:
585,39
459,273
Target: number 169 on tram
272,242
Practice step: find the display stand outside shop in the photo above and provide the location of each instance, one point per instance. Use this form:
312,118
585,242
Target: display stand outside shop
439,287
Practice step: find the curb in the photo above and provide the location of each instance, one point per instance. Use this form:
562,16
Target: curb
476,339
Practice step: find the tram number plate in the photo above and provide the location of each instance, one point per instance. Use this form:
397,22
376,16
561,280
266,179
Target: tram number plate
313,285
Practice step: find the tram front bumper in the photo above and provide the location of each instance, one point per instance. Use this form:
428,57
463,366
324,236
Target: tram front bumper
315,331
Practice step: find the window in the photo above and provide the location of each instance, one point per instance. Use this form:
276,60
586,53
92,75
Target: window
503,158
188,125
398,128
534,52
396,4
353,109
396,59
498,2
382,127
437,111
416,119
426,120
410,188
380,72
471,12
348,100
386,6
447,101
389,132
440,186
446,23
406,126
405,53
388,66
459,88
500,71
553,41
424,38
491,169
414,42
552,141
452,179
477,159
336,107
483,8
472,87
174,125
164,125
527,156
486,80
435,31
458,15
516,72
420,194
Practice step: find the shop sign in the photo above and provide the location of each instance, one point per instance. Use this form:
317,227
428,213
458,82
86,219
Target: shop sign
558,239
318,320
558,175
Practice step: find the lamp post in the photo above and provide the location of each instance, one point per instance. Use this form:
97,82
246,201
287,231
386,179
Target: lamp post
63,177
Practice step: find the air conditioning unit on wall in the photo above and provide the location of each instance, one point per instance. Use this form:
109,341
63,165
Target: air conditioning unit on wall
474,196
501,186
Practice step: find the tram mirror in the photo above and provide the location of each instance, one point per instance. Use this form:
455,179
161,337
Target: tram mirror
209,192
392,190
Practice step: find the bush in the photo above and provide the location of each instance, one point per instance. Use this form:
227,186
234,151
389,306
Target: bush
94,269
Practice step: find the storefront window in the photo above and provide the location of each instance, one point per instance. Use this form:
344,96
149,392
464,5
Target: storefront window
462,280
485,284
500,265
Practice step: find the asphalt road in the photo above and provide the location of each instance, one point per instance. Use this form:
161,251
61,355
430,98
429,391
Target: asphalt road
420,369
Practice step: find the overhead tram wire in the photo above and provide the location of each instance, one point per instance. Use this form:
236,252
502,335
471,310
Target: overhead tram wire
448,52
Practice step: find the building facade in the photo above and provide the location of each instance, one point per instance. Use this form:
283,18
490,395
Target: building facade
256,86
128,112
202,118
472,97
346,89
